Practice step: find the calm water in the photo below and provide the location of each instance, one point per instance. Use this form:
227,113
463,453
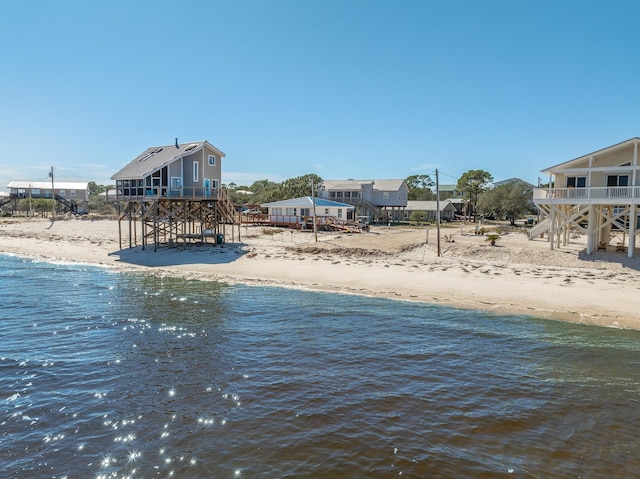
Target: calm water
110,376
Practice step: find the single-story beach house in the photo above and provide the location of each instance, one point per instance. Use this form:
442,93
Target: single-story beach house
187,170
429,208
597,193
298,212
71,196
374,200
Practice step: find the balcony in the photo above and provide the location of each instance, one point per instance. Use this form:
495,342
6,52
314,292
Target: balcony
600,195
160,192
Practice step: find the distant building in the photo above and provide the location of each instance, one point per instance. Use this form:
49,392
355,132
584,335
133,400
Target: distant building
43,189
449,191
297,212
512,180
430,208
374,200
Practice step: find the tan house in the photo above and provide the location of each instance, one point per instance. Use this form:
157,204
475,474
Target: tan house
187,170
70,196
374,200
597,193
429,208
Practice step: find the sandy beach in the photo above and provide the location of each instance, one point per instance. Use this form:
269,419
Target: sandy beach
516,276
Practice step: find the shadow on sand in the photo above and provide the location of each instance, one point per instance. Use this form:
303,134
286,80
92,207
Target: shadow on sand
179,256
612,256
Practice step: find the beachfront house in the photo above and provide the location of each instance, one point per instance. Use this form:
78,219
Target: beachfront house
298,212
428,210
70,196
186,170
373,200
174,192
598,194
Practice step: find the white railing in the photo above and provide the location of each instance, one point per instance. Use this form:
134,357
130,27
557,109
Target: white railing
606,193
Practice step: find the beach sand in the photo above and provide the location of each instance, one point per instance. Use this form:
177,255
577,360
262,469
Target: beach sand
517,276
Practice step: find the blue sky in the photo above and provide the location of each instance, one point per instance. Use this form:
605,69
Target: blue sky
345,89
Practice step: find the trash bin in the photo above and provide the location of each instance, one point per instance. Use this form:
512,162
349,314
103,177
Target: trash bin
219,238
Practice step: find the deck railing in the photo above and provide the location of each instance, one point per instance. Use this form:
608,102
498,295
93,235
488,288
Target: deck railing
155,192
607,194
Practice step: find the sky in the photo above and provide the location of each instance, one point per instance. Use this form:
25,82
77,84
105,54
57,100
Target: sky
345,89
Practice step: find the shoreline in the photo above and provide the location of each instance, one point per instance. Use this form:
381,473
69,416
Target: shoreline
519,276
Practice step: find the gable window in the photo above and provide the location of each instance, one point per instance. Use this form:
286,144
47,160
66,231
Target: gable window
576,181
212,160
195,171
385,195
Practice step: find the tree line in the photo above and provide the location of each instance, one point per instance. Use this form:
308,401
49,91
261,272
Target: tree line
508,201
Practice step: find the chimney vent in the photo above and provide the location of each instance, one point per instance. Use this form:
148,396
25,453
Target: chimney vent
177,143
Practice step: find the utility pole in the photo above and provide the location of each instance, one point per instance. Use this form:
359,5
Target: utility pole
438,212
313,199
53,197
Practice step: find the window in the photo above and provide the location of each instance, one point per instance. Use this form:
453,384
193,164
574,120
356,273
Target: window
385,195
305,212
326,211
290,211
339,212
276,211
35,191
212,160
195,171
576,181
347,194
355,194
214,183
72,193
176,182
618,180
61,193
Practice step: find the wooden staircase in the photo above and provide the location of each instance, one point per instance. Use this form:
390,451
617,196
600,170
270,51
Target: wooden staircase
226,209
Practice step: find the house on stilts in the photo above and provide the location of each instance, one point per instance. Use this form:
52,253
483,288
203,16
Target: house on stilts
598,194
173,192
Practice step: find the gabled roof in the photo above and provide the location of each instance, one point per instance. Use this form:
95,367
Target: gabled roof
609,149
154,158
307,202
46,185
380,185
413,205
510,181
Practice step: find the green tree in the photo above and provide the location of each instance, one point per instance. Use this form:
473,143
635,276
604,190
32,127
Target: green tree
471,184
263,191
420,187
510,200
95,189
298,186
